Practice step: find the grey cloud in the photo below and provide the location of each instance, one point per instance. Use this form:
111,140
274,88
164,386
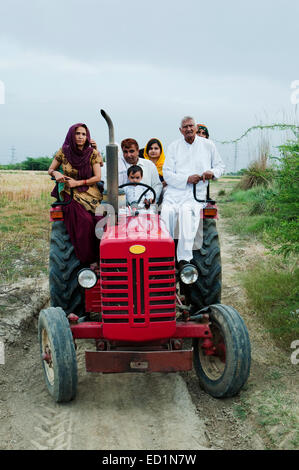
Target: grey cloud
147,63
206,36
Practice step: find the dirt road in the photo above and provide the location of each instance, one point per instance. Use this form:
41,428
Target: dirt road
130,411
124,411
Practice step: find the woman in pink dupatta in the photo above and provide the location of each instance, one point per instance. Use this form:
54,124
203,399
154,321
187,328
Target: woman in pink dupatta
81,166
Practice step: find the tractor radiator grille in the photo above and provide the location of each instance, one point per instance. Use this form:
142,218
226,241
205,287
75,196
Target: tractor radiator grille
138,290
114,277
161,280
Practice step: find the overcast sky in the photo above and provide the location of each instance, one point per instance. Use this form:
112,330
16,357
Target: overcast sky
230,64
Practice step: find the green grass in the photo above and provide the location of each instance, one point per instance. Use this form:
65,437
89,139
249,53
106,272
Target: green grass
270,407
240,411
243,223
272,290
253,213
276,415
253,225
24,235
272,282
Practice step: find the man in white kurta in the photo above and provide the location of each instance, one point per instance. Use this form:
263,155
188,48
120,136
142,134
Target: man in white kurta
130,150
190,159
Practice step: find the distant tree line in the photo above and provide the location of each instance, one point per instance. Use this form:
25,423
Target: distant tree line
237,173
36,164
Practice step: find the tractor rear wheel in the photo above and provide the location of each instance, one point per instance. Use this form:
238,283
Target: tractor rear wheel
207,289
58,354
64,265
223,370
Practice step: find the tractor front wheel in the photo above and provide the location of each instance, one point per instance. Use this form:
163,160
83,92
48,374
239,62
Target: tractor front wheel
58,354
223,365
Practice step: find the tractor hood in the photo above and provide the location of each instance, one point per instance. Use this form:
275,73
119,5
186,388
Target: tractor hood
142,227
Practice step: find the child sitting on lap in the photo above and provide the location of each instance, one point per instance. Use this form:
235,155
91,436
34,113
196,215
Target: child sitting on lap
133,193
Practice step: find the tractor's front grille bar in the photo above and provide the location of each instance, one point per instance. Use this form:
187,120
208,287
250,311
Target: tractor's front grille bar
143,290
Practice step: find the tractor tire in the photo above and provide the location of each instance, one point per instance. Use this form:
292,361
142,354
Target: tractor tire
58,354
65,291
224,373
207,289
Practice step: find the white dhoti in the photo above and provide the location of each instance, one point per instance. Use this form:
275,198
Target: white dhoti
184,224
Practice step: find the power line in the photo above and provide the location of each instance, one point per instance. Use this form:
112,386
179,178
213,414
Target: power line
280,127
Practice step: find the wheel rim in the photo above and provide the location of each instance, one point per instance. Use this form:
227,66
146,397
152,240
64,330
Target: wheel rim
47,356
213,365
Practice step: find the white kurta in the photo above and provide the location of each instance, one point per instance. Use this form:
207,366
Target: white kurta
133,193
183,160
150,174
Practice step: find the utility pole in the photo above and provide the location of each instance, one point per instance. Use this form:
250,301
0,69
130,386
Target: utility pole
236,155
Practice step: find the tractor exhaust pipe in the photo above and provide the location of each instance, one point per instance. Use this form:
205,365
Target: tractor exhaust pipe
110,126
112,167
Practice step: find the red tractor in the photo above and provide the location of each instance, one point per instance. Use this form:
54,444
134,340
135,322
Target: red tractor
132,305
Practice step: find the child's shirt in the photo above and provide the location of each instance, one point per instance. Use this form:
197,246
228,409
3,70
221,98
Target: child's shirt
133,193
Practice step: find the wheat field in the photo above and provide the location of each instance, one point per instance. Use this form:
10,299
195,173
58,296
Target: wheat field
24,224
24,185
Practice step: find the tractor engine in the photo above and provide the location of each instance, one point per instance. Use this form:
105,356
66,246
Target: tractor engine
137,280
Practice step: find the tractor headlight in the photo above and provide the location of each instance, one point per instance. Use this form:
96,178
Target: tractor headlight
87,278
189,274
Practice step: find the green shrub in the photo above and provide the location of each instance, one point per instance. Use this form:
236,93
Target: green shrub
276,203
256,175
286,201
221,192
259,172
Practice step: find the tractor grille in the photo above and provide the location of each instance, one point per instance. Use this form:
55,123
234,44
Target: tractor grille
138,290
114,277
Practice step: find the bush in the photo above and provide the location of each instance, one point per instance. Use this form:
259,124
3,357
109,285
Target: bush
285,202
288,180
41,163
37,164
271,194
257,174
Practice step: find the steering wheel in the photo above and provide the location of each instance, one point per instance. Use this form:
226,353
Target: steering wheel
149,188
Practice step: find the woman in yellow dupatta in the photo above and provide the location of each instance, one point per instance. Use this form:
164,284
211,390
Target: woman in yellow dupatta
154,152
